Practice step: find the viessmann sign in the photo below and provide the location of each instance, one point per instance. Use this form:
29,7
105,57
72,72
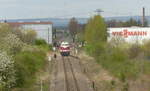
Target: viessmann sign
126,33
130,34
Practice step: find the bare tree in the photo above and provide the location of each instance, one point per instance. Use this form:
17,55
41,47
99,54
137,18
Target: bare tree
73,28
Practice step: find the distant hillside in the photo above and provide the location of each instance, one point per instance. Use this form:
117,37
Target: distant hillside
59,22
125,18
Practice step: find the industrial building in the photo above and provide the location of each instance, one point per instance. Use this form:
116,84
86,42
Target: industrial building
130,34
43,29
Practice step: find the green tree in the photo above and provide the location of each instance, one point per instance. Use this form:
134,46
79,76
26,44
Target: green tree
96,30
29,36
96,34
4,30
130,23
21,57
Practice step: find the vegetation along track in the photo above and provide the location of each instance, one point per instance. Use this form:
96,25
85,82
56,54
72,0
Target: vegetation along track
70,78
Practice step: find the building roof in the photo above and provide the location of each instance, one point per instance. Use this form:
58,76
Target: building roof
17,24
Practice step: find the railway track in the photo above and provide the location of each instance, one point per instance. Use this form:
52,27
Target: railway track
70,78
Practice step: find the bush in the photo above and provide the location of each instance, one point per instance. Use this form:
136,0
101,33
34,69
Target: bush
121,58
134,51
40,42
7,71
96,49
117,62
146,49
27,64
43,45
45,48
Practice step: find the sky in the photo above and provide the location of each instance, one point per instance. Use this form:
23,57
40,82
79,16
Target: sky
18,9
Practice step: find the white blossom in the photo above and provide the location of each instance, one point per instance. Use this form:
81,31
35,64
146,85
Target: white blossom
11,43
7,72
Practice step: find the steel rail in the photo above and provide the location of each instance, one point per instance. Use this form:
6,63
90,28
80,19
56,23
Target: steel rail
74,77
66,77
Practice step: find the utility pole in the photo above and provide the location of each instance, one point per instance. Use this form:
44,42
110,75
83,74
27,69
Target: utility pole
55,33
143,17
99,11
48,35
41,85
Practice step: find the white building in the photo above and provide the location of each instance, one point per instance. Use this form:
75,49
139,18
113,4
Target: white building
130,34
43,29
